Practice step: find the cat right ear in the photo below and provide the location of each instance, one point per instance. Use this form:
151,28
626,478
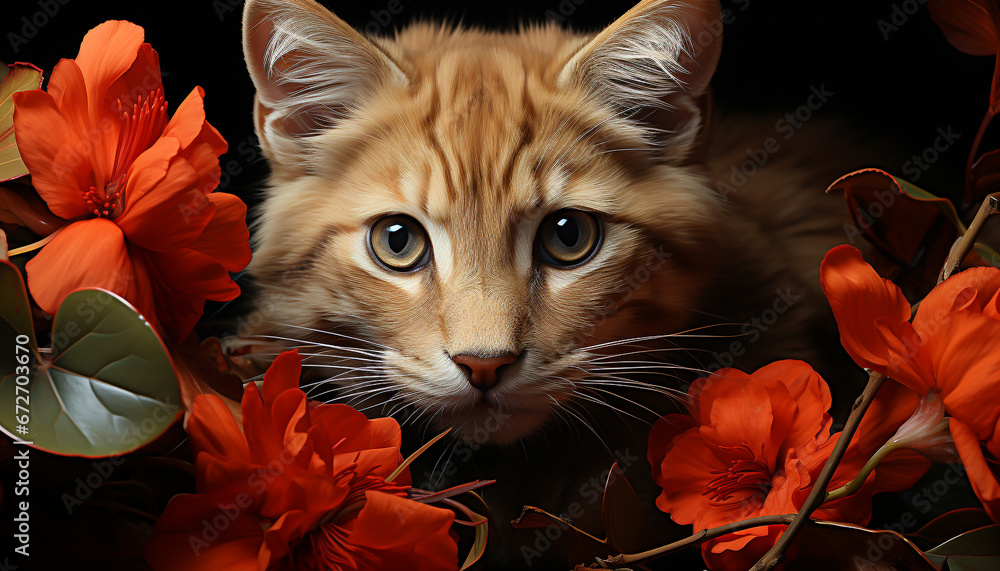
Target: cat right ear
654,65
310,70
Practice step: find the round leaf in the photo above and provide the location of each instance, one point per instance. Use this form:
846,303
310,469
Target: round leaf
109,386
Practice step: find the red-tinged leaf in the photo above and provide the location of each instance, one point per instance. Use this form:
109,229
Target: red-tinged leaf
20,77
985,177
947,526
830,545
20,205
972,26
202,368
621,514
911,229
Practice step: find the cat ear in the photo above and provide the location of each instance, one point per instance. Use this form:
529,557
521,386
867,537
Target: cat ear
654,65
310,70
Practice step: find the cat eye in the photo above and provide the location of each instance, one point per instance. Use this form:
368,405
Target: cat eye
399,243
568,238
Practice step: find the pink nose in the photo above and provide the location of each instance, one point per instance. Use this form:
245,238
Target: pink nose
483,373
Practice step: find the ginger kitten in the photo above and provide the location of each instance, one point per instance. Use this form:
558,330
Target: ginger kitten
517,236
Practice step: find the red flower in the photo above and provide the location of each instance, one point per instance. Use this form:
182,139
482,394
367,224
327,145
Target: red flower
751,446
134,187
949,348
298,488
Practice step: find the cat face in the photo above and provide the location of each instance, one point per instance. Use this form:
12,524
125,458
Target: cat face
462,220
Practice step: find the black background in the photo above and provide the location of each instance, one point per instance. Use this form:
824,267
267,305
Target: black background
903,83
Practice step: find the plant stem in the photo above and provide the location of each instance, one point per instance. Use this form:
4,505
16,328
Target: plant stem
818,493
700,537
34,246
988,208
854,485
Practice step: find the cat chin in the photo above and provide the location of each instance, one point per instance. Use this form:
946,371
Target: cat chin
484,424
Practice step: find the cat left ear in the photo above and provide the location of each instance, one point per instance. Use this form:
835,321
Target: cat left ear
654,64
310,69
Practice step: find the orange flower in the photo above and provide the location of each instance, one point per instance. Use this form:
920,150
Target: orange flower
135,187
751,446
949,348
298,488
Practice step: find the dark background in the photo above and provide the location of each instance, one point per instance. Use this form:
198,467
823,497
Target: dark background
903,83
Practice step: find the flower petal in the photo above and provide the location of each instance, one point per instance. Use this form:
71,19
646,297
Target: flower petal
967,369
404,534
858,296
982,283
164,209
59,171
213,430
226,238
106,53
90,253
982,477
140,79
193,273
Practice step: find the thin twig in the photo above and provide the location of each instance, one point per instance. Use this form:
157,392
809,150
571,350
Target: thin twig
818,493
700,537
988,208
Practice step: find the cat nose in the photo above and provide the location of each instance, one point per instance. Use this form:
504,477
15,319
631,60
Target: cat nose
483,373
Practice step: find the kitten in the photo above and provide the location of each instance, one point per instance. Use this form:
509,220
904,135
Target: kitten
517,236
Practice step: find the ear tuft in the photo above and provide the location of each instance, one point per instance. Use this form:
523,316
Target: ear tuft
310,69
654,64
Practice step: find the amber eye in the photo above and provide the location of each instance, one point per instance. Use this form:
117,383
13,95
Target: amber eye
400,243
569,238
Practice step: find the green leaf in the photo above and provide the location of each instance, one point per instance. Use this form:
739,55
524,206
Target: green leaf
984,541
20,77
109,386
948,525
621,514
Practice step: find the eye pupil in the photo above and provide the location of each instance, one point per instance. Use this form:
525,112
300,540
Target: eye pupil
398,237
568,232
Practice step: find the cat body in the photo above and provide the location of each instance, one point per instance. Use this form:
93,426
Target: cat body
521,236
